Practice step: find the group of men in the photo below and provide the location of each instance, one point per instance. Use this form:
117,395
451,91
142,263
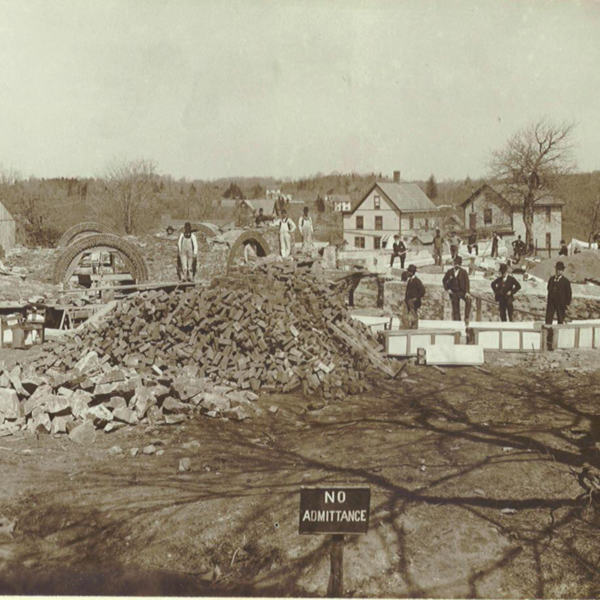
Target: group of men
505,286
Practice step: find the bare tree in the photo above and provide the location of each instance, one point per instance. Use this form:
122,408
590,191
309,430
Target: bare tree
530,164
129,191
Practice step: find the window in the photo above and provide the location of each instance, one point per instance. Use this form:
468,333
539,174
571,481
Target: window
548,214
377,242
426,224
376,203
360,222
548,240
411,222
487,216
359,242
379,223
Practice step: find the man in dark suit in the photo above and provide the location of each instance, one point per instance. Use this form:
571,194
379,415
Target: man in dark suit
559,295
398,250
495,239
505,287
415,290
456,282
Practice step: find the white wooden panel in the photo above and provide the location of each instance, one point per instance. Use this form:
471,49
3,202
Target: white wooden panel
532,340
444,340
397,345
585,337
489,339
511,340
565,338
459,354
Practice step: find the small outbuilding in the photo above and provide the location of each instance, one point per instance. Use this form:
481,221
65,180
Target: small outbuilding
8,229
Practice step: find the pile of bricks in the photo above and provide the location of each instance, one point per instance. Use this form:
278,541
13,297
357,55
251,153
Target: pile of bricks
273,328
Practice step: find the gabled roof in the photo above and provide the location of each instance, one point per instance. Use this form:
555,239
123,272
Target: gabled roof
516,201
406,197
511,198
480,189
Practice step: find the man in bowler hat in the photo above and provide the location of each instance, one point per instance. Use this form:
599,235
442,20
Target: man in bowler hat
559,295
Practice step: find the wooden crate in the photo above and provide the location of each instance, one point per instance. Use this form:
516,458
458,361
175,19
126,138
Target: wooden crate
404,342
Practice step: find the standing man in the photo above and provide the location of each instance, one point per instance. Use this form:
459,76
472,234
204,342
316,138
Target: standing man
472,242
188,253
454,244
456,283
438,243
518,248
306,229
495,239
564,250
286,228
415,290
505,287
398,250
559,295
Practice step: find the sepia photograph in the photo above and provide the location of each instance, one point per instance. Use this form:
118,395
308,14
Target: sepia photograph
300,298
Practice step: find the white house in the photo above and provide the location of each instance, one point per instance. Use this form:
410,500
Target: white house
389,208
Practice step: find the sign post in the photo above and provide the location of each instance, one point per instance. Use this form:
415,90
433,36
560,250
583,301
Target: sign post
337,511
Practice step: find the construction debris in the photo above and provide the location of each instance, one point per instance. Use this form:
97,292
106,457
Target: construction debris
159,357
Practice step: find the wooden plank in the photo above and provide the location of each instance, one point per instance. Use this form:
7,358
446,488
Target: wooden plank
459,354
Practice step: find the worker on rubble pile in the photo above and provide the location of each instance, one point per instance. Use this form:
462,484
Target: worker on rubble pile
505,287
415,290
398,251
454,243
438,244
559,295
456,283
187,259
286,228
306,229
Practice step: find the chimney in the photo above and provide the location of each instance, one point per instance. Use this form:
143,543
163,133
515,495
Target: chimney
396,176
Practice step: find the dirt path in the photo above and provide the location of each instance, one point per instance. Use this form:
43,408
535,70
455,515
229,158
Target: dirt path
472,476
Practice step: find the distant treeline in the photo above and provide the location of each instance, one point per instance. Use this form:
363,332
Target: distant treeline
44,208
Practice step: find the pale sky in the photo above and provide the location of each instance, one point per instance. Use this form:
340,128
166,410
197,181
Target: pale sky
289,88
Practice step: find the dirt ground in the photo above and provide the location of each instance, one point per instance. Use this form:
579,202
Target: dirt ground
473,477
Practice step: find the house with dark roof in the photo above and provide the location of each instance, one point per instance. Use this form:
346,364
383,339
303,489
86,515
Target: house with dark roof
389,208
488,209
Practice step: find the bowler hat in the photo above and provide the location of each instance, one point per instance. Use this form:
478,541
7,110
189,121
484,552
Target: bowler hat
412,269
458,260
503,268
560,265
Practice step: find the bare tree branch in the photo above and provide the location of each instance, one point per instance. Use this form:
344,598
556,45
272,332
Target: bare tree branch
531,162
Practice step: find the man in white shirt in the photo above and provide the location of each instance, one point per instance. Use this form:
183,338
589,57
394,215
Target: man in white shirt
306,229
286,228
188,253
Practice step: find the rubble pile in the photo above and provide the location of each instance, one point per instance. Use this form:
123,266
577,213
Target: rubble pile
578,267
97,396
159,357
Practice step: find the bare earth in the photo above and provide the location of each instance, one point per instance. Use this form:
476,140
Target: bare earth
473,477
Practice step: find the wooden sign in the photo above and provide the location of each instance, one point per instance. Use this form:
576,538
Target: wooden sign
334,510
